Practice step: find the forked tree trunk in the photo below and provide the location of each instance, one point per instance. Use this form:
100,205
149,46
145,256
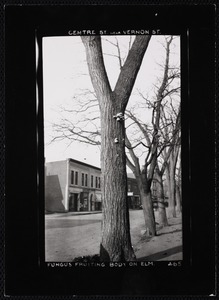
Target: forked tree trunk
115,240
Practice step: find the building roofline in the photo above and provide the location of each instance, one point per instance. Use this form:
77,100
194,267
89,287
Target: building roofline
84,164
55,161
88,165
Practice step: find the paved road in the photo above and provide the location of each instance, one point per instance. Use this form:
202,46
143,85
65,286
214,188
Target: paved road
71,235
68,236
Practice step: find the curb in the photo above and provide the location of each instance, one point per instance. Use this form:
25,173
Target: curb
69,214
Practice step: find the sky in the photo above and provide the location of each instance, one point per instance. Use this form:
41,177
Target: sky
65,75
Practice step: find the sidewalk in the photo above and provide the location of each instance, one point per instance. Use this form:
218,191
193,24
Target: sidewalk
167,245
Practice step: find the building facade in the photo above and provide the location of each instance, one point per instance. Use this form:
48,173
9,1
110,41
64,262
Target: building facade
71,185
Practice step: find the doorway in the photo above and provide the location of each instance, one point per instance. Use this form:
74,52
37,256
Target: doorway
92,203
73,202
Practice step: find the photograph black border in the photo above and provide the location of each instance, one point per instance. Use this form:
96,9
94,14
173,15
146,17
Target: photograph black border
24,208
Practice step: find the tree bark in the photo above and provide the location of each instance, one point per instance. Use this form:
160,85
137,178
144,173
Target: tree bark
178,201
171,192
150,224
146,200
162,216
178,188
116,240
171,181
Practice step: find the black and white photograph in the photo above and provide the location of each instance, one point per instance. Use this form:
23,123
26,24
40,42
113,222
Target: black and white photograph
112,148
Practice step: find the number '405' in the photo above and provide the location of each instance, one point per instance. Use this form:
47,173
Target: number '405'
174,264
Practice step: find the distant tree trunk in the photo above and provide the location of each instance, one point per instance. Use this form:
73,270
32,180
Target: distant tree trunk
162,217
171,190
116,241
178,201
150,224
146,200
171,181
178,189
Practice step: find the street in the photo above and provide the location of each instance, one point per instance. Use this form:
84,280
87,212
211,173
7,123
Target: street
70,235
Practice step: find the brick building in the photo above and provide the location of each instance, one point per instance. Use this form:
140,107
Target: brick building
71,185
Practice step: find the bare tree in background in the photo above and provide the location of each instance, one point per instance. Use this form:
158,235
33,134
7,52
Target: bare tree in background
154,145
173,138
171,155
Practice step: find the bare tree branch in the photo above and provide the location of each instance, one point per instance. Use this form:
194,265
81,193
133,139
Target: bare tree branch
130,69
133,156
143,128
